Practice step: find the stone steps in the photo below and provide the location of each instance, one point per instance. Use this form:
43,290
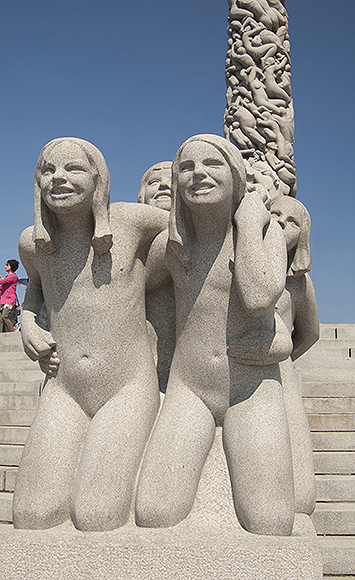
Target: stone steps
20,385
17,418
328,422
335,488
334,405
334,462
333,441
5,507
335,519
7,478
324,389
326,374
338,557
10,455
328,387
19,376
25,388
11,435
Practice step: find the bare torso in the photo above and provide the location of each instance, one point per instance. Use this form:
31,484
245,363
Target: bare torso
96,312
209,314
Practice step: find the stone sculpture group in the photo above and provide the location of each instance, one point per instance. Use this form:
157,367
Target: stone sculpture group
158,322
235,264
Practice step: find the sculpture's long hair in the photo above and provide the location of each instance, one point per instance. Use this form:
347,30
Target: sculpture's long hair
44,220
299,257
145,177
180,222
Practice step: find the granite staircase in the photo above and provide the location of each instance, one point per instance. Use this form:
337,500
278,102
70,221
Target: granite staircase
20,383
328,379
328,383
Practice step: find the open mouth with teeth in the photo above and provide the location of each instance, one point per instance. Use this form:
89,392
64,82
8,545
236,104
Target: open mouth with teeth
201,188
163,194
61,192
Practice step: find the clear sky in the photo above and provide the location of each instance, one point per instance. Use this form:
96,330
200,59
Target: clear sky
138,78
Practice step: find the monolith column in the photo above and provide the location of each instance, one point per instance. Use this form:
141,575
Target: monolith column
259,116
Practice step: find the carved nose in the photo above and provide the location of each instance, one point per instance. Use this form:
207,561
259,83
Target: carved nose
59,176
200,171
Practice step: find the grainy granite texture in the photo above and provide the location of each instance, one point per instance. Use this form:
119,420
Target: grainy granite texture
98,406
208,545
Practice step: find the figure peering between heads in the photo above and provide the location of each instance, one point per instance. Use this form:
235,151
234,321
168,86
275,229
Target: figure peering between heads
155,186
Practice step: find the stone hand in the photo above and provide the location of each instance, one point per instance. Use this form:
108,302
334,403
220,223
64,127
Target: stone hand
37,342
49,364
253,206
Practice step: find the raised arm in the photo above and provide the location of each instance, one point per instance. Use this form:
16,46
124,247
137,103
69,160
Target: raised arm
260,256
306,323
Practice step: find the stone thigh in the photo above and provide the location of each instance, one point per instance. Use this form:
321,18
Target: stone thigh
111,455
257,446
49,459
174,459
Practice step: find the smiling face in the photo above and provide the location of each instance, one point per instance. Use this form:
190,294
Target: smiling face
289,215
66,178
204,176
157,189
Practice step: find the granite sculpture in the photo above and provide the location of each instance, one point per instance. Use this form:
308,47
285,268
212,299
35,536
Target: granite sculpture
100,318
155,186
85,261
228,261
155,190
298,309
259,116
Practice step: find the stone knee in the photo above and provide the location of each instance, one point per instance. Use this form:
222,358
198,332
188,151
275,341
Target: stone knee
37,512
267,517
96,512
160,511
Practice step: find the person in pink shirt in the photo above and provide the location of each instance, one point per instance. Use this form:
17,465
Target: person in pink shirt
8,295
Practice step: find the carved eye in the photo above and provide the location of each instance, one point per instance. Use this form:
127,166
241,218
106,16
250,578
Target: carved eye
75,167
213,163
293,222
47,169
186,166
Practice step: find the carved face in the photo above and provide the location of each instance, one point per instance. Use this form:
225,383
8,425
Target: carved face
289,215
157,190
66,179
204,175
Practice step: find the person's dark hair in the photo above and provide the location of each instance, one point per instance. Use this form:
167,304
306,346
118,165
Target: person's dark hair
13,265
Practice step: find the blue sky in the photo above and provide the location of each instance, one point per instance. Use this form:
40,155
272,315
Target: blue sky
138,78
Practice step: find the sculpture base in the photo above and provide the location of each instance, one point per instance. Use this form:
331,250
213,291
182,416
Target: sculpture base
208,545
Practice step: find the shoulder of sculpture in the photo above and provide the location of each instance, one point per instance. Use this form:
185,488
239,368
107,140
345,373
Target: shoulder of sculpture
139,214
26,240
